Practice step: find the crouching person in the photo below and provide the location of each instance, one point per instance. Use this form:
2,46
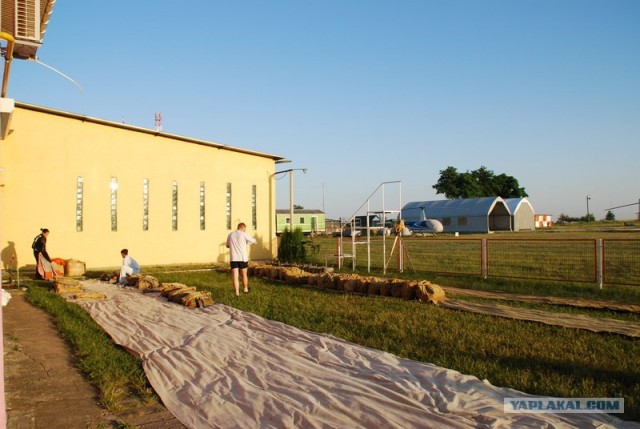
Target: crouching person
129,267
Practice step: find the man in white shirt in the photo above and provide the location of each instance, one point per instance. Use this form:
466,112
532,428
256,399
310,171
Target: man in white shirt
129,267
237,242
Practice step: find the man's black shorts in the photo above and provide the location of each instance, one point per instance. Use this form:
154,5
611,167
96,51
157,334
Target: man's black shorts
239,264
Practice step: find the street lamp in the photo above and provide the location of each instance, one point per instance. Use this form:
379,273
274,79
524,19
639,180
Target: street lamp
290,171
588,198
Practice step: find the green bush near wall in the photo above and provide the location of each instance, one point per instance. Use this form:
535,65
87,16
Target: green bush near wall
291,248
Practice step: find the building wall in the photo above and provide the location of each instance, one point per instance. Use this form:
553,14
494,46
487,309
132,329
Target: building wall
523,219
465,224
45,154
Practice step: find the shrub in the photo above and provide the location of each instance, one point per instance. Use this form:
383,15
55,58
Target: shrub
291,248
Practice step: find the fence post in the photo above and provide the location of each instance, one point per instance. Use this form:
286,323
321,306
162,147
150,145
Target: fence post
483,258
599,262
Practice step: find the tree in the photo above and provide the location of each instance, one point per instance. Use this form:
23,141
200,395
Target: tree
297,207
610,216
477,183
588,218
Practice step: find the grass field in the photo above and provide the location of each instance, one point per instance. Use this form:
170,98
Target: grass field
527,356
565,256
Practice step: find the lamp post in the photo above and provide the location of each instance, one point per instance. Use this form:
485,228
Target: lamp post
588,198
290,171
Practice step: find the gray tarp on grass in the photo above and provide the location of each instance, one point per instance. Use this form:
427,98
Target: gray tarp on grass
223,368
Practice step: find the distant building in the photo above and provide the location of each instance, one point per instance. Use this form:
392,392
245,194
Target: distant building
374,221
522,215
310,221
543,221
468,215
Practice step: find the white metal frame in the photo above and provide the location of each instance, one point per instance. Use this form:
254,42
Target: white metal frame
368,228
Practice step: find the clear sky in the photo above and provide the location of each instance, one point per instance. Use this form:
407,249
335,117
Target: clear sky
361,92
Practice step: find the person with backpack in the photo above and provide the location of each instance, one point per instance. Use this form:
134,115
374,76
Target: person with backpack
39,247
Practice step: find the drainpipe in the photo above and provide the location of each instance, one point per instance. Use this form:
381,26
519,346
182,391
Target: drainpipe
8,56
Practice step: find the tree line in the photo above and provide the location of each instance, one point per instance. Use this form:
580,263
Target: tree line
477,183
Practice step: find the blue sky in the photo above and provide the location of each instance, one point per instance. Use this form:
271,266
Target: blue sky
362,92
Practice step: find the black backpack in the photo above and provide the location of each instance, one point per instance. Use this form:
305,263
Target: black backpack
34,245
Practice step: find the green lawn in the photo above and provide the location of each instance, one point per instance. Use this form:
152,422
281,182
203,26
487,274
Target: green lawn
527,356
531,357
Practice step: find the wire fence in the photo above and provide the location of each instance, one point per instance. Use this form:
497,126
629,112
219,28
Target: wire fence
600,261
621,261
560,260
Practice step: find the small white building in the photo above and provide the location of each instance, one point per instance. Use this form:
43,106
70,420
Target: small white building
543,221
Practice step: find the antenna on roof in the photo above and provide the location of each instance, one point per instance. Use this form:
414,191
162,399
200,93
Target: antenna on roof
158,121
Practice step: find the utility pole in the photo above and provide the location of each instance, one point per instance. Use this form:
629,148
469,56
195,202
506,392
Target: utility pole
290,171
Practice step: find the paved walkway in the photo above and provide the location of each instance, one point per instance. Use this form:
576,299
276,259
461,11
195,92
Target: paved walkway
43,386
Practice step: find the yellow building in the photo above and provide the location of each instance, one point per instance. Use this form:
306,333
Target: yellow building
101,186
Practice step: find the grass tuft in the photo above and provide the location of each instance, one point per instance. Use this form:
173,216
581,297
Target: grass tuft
117,374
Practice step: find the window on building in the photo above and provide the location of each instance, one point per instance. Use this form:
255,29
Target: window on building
79,198
174,206
114,204
145,204
462,221
202,224
287,221
446,221
228,206
254,208
301,221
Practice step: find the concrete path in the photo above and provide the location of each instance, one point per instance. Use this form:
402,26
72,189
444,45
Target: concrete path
44,387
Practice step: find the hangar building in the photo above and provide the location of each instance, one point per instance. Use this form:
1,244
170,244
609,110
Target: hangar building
465,215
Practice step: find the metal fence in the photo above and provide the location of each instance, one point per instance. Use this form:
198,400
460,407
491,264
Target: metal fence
599,261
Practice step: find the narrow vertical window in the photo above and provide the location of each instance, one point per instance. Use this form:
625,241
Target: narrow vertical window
174,206
254,208
145,204
79,198
228,206
202,224
114,204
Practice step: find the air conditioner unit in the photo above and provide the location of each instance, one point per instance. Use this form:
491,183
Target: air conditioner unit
26,21
27,26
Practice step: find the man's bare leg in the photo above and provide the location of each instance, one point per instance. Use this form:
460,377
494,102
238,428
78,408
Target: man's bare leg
236,283
245,280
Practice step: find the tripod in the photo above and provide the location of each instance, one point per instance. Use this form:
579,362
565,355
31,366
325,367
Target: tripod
398,228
